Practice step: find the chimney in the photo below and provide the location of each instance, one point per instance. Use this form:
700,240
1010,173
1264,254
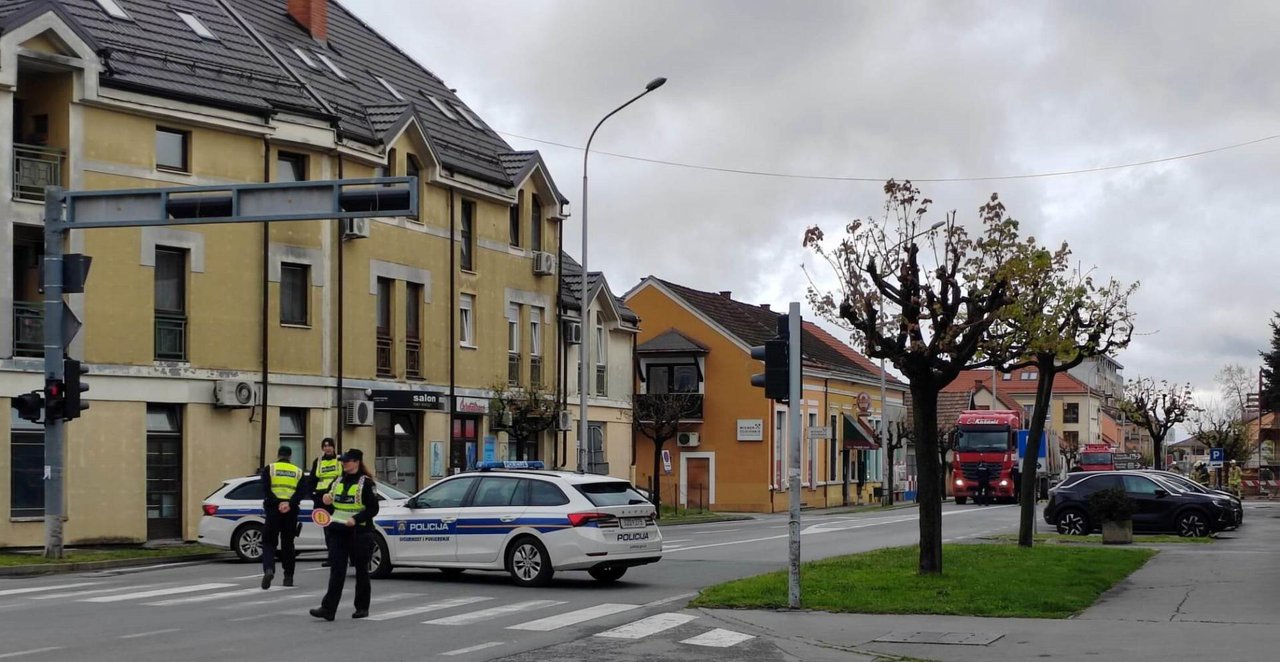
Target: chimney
312,15
764,306
726,294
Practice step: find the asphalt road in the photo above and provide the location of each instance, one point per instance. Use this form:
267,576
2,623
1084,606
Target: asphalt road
215,611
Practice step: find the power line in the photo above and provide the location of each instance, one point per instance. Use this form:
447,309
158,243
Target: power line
833,178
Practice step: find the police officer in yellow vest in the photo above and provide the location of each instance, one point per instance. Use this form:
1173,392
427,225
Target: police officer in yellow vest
355,504
324,470
280,510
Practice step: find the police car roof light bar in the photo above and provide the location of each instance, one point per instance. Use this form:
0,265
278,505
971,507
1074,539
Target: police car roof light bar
510,464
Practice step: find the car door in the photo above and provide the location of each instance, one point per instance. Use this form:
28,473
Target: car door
425,529
493,511
1154,503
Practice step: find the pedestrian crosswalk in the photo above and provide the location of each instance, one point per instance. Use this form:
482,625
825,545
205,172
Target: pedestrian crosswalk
239,602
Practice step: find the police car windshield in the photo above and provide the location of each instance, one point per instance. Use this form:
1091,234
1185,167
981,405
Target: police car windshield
613,493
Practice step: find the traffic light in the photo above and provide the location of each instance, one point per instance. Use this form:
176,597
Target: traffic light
29,405
53,394
72,388
776,378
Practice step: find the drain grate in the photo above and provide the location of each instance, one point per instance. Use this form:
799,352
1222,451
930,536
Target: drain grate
951,638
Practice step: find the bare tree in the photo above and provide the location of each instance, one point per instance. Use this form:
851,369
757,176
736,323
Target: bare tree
928,314
1234,383
523,412
658,417
1157,407
1216,424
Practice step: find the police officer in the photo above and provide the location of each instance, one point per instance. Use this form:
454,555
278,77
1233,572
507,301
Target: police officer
324,470
1015,475
984,484
355,504
1235,479
280,510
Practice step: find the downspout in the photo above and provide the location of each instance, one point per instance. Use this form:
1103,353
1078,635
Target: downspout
453,321
266,339
560,353
341,321
563,455
826,400
635,376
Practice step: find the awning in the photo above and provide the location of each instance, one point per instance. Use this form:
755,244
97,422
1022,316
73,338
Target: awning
857,435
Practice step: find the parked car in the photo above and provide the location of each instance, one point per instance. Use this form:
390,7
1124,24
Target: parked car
1180,481
1162,507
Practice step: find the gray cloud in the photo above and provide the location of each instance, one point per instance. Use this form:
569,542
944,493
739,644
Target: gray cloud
909,89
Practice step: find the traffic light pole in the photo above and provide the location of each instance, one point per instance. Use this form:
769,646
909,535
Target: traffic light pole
793,354
54,448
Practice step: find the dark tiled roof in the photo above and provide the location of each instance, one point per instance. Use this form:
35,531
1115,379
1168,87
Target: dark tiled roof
671,341
949,407
382,117
571,288
753,325
515,162
850,353
1016,385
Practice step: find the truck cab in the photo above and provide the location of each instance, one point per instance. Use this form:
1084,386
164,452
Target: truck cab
985,436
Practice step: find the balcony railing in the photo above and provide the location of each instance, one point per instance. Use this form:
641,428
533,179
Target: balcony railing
535,371
602,381
35,167
413,358
28,328
513,369
171,337
650,405
384,357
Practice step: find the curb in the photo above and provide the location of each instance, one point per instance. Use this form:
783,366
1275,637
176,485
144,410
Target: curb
60,568
726,518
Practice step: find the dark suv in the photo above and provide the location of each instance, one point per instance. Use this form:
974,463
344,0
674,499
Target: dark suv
1161,506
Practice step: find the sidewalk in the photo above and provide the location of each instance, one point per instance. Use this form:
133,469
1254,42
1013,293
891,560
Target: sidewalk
1190,602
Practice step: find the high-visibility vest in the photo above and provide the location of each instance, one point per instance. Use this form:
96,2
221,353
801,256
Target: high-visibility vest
284,479
348,499
326,472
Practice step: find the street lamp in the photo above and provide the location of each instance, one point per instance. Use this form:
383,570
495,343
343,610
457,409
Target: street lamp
584,350
884,423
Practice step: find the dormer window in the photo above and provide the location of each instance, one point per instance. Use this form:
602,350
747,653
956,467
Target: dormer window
471,119
387,86
332,67
444,110
114,10
306,59
672,378
197,26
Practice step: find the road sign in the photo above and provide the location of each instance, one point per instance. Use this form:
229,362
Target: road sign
1023,435
666,461
1127,461
1216,457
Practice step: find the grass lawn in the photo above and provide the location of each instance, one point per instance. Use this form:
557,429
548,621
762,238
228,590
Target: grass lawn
8,559
1047,581
1138,539
672,516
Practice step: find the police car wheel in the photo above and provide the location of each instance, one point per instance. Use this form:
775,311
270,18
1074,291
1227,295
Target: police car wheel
528,563
380,559
247,542
607,574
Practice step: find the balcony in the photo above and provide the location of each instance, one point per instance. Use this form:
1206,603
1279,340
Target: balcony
35,167
513,369
384,356
535,371
658,404
171,337
28,328
413,358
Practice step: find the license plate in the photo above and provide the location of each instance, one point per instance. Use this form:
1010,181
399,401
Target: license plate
633,522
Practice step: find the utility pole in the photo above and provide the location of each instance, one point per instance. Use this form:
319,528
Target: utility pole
793,418
54,345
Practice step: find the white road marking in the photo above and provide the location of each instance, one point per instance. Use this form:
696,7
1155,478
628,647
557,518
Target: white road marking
210,597
718,638
145,568
158,592
648,626
96,591
38,589
472,649
485,614
31,652
149,634
573,617
422,609
272,601
674,598
680,540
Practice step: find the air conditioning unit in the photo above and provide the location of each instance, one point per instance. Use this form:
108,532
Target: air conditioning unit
687,439
564,422
544,264
235,393
355,228
358,412
573,332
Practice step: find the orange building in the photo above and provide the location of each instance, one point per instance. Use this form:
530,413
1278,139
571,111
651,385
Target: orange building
731,454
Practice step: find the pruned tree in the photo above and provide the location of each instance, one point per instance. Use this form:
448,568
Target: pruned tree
1059,318
927,314
523,412
1157,407
658,416
1216,424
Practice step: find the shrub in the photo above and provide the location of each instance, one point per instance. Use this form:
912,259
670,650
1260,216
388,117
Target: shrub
1111,505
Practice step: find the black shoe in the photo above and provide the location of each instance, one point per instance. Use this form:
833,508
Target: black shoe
266,579
288,580
360,613
321,612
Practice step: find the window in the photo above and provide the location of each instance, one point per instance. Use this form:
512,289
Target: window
448,494
682,378
387,86
251,490
1070,412
413,330
171,304
306,59
1140,485
294,294
293,434
196,26
444,110
384,339
513,345
612,493
1027,411
514,224
26,467
1071,438
114,10
1028,376
597,462
535,331
1095,483
466,320
1006,376
495,491
602,369
468,220
164,472
291,167
172,149
535,223
470,118
412,168
542,493
332,67
832,450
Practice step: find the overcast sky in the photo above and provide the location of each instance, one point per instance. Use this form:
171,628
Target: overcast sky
906,90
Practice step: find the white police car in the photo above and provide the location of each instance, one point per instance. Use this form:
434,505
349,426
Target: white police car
233,518
517,517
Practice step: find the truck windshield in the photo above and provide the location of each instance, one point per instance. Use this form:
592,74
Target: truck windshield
1095,458
983,441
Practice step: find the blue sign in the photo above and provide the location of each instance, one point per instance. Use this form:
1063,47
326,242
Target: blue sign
490,448
1217,454
1022,443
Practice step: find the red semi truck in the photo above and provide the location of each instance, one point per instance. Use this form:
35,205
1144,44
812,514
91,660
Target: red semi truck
989,436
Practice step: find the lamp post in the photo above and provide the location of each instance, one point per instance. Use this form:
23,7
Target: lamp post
584,350
884,423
